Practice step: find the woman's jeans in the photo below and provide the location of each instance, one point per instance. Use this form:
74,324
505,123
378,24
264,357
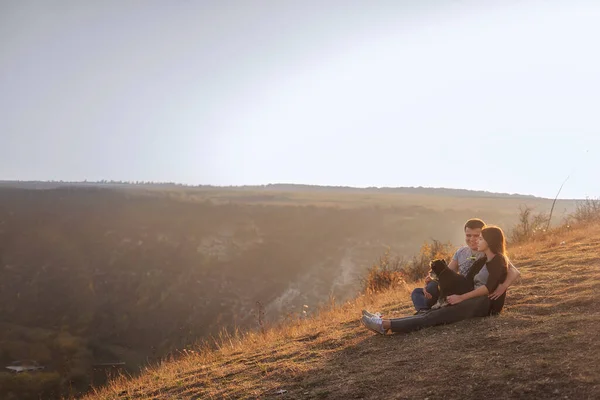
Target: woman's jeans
472,308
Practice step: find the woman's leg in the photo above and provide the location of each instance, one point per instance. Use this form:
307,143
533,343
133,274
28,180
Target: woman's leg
476,307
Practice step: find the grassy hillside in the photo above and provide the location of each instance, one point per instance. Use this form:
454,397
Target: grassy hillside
544,345
92,275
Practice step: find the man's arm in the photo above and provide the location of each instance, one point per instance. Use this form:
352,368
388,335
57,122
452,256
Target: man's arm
453,265
512,275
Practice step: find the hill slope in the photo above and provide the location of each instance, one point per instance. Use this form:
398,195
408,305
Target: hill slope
545,344
91,275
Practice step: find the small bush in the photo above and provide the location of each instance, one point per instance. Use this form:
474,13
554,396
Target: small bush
530,225
587,211
418,268
390,272
387,273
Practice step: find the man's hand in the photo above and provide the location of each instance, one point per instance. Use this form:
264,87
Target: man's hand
499,291
454,299
426,293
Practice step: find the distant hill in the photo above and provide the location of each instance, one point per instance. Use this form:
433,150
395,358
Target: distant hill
414,190
278,187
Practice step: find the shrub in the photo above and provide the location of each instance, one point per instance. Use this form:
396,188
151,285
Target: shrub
389,272
530,225
418,268
587,211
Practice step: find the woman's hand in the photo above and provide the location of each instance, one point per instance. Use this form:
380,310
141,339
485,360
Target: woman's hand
499,291
454,299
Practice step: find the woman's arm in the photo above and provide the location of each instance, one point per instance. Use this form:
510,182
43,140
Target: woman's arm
457,298
512,275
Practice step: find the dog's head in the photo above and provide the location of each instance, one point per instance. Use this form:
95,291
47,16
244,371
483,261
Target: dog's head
437,266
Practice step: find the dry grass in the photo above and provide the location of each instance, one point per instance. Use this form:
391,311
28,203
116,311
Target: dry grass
545,345
391,272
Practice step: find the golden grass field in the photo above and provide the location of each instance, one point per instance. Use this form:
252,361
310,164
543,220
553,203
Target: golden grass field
544,345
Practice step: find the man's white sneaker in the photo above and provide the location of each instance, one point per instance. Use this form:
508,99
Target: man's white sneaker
368,314
373,323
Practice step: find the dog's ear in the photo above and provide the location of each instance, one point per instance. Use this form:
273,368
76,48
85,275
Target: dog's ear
438,266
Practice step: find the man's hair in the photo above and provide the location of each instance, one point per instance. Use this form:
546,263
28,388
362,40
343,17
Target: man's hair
474,223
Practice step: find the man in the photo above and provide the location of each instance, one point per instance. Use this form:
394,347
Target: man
424,298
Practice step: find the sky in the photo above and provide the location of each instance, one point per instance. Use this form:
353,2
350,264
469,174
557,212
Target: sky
497,95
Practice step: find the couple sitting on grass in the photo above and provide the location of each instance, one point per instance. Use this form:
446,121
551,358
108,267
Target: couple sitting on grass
480,268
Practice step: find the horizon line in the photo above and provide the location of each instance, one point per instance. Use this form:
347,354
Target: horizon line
263,186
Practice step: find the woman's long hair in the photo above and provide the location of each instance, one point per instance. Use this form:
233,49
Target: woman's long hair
495,239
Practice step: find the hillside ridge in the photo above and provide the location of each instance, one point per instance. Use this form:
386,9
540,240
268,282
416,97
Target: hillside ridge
544,345
279,187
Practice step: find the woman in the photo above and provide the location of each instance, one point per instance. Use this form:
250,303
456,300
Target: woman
486,274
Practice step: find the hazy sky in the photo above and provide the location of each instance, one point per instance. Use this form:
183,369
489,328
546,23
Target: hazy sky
493,95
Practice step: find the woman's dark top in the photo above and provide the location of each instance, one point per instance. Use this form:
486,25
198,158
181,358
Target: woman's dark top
491,274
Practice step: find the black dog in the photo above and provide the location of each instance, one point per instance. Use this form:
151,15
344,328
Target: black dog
449,281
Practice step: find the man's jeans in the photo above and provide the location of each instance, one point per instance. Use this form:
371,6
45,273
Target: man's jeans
419,300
